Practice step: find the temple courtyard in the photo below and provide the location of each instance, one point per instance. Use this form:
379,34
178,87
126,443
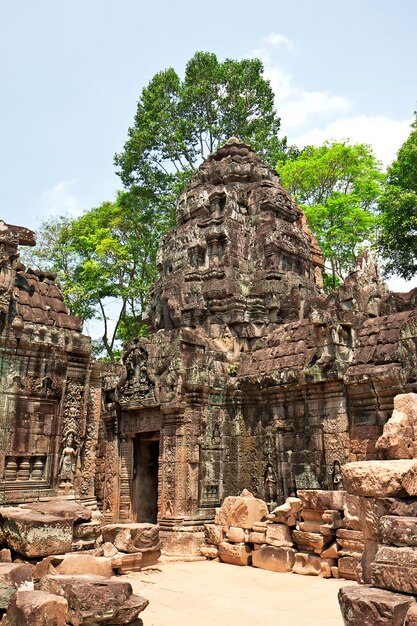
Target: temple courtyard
204,593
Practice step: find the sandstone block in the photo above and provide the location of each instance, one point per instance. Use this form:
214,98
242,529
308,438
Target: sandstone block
351,542
335,572
365,606
331,552
5,555
256,537
59,507
210,552
124,563
365,562
398,531
310,542
312,515
348,566
108,550
311,565
236,535
87,530
12,576
150,557
394,577
332,519
320,499
214,534
95,599
278,535
274,558
398,440
242,511
404,555
37,608
235,553
35,534
310,526
73,564
286,513
381,478
132,537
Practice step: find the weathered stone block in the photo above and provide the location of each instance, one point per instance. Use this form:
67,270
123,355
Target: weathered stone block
242,511
381,478
73,564
411,617
365,606
236,535
398,531
213,534
394,577
310,542
88,531
34,534
37,608
124,563
348,566
286,513
12,576
210,552
95,599
134,537
274,558
331,552
311,565
320,499
365,562
278,535
256,537
235,553
398,440
59,507
351,542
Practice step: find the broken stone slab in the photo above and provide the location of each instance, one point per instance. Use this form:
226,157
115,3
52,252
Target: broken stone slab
150,557
87,530
60,507
312,515
95,599
309,564
213,534
351,542
133,537
236,535
274,558
348,567
398,440
5,556
364,513
401,578
331,552
381,478
320,499
37,608
124,563
12,576
235,553
256,537
35,534
73,564
405,555
366,606
209,551
310,542
286,513
278,535
398,531
241,511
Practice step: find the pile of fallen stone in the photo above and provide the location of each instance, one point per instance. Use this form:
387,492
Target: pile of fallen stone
308,535
58,561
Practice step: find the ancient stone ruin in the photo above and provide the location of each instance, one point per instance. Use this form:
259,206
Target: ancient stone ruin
251,378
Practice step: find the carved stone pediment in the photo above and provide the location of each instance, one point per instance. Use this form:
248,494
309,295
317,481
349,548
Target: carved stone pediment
135,384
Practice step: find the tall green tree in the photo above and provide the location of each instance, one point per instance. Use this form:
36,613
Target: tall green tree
178,122
105,263
337,185
398,211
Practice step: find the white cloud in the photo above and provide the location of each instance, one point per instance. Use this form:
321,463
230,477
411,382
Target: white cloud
274,39
301,107
384,134
61,200
395,283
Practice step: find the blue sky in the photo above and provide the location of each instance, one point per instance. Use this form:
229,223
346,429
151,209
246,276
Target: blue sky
71,72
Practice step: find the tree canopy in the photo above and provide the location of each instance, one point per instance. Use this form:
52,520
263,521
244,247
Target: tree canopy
105,263
398,211
337,185
178,123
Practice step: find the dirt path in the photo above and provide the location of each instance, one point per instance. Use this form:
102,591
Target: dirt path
204,593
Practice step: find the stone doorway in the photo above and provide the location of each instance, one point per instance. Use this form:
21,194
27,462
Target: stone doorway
145,477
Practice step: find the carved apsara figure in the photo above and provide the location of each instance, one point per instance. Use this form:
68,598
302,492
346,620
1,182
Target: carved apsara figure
68,460
337,478
270,484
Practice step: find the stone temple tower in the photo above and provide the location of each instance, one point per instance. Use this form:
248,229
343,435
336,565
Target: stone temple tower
250,373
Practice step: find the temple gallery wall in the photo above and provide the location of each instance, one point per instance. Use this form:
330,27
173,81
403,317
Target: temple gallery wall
250,377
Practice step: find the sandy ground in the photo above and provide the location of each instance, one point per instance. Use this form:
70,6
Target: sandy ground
204,593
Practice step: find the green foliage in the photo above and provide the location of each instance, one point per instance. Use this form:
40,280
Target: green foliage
337,186
398,211
106,255
179,123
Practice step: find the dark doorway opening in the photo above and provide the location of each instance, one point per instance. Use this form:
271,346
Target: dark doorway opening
145,477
